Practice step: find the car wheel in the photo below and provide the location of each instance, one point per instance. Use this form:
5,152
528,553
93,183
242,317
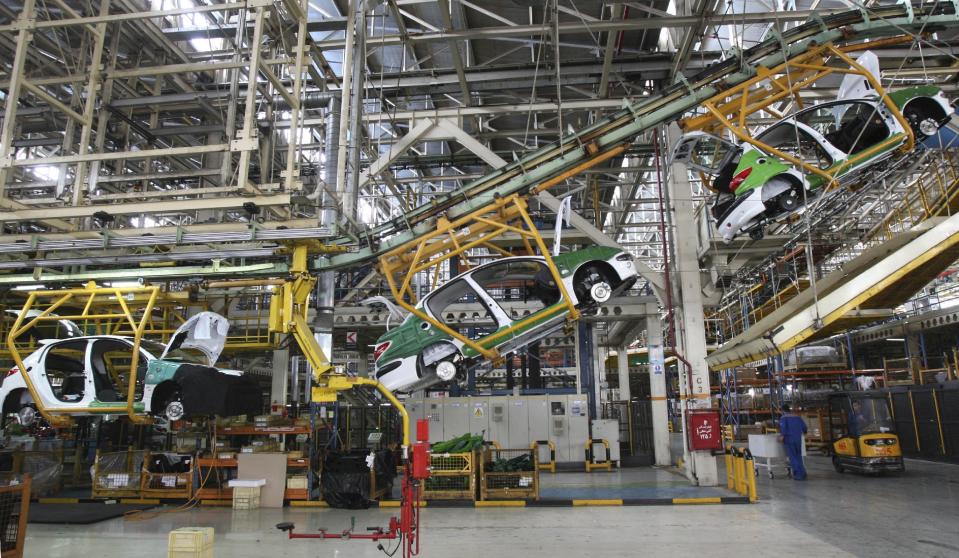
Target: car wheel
922,122
174,410
592,286
788,202
757,233
446,370
837,465
27,415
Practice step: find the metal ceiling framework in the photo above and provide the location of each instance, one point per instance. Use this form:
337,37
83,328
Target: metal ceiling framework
189,130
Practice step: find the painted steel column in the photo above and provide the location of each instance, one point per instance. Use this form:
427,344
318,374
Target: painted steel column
622,367
657,389
599,376
323,322
226,169
325,280
13,93
246,142
586,363
691,328
90,103
294,141
357,93
280,380
346,90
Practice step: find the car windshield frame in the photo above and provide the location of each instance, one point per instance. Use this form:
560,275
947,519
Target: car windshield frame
797,130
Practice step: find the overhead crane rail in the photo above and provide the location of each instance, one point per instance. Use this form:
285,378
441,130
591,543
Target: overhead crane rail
610,136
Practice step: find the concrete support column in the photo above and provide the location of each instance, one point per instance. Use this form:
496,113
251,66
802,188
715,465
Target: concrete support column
599,376
657,390
691,329
622,368
281,378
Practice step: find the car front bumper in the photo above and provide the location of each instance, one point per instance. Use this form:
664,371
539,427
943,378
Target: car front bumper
400,378
741,213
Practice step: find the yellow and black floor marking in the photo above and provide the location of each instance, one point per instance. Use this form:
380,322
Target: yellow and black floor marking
548,503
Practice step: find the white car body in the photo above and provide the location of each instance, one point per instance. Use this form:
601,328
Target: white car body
205,332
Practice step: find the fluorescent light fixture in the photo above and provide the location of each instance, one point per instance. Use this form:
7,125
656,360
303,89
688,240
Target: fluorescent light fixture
896,339
36,287
125,284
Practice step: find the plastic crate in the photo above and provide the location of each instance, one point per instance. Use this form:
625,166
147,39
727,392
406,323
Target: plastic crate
190,542
246,497
297,482
205,553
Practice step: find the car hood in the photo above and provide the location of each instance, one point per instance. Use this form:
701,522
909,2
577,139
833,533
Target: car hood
205,331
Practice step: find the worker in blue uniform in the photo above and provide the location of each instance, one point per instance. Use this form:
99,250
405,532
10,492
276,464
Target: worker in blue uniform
791,431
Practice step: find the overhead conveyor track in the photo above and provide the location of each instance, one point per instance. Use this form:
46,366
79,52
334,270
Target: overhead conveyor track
610,136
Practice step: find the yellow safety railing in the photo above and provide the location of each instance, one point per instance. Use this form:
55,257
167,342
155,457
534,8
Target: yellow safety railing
545,465
741,472
591,462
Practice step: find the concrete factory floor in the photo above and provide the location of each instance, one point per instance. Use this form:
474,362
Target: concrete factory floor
829,515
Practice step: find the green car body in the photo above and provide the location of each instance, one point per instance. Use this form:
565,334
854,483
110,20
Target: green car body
398,351
842,138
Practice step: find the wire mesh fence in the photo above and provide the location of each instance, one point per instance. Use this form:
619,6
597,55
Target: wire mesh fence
44,467
508,474
14,508
167,475
452,477
118,474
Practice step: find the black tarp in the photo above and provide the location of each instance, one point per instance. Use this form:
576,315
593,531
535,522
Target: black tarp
346,477
207,391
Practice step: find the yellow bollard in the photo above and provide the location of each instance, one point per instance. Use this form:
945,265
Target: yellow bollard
730,479
740,466
751,479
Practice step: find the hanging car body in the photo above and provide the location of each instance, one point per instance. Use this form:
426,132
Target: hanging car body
416,355
78,375
837,140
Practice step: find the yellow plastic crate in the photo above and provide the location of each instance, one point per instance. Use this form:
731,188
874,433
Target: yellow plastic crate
297,482
246,498
190,542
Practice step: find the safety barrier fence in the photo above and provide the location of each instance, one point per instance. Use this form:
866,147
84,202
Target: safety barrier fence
542,465
741,472
14,509
601,460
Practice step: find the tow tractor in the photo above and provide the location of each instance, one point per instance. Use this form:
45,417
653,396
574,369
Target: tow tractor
863,433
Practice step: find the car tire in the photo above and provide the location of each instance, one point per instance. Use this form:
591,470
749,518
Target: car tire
922,122
592,286
837,465
757,234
